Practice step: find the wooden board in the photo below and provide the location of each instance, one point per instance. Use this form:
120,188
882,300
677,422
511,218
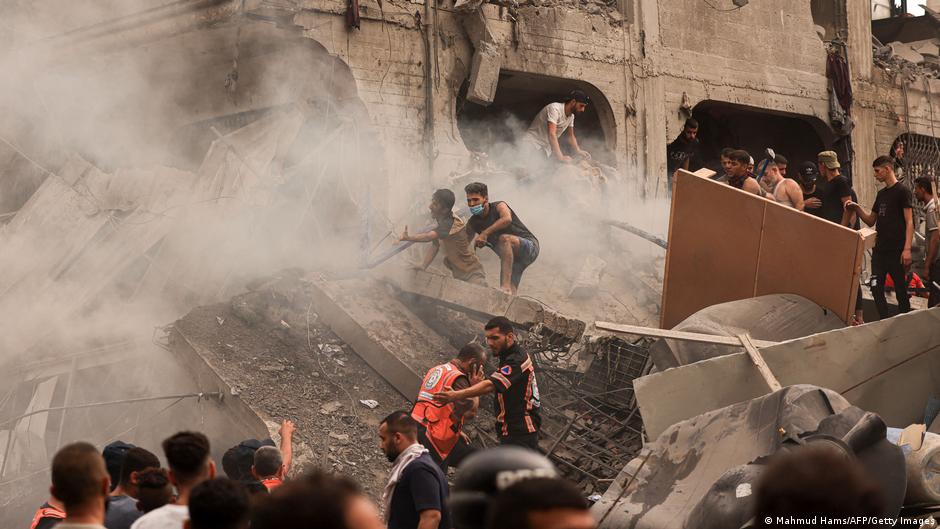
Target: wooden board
890,367
726,244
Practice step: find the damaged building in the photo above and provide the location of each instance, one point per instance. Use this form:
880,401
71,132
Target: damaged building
200,201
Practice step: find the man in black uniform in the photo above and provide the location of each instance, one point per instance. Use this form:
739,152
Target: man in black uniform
682,150
497,226
517,392
892,218
834,191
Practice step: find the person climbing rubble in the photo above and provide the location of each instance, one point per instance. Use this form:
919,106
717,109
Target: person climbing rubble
541,138
497,226
440,426
451,235
517,403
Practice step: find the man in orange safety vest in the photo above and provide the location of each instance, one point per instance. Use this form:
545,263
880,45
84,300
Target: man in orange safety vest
440,424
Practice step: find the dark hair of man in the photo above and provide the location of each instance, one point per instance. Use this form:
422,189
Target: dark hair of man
135,460
691,123
726,152
219,503
499,322
445,198
315,501
268,461
187,454
739,155
923,182
77,471
476,188
882,161
232,464
401,422
511,507
153,489
815,481
471,351
781,160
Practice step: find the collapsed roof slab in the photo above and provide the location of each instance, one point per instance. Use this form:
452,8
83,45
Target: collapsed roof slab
382,331
889,367
485,302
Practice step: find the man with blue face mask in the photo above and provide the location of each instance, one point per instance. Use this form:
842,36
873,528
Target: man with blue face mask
497,226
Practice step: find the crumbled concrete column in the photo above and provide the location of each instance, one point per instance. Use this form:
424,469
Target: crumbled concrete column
484,73
587,283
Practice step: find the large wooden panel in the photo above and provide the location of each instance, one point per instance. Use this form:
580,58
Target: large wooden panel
726,244
708,228
804,254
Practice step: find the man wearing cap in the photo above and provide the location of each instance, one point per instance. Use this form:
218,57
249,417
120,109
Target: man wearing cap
552,121
834,190
806,175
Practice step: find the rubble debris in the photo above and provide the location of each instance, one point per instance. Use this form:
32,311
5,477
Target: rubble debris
587,282
688,476
772,318
484,302
884,367
369,403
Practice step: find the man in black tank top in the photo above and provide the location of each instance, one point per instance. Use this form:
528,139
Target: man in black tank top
497,226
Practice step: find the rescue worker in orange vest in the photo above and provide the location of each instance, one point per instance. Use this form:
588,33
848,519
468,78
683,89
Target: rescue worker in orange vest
50,514
440,424
269,467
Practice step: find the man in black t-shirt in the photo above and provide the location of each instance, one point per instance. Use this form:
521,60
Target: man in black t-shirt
834,191
517,402
497,226
891,216
680,152
416,493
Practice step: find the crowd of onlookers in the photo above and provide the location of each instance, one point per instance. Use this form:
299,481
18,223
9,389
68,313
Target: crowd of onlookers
821,190
124,487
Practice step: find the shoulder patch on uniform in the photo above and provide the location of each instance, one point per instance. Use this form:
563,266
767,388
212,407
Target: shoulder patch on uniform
506,370
434,378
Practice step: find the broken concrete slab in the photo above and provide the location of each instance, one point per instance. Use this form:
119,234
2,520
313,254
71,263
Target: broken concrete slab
484,73
775,317
904,51
587,282
380,329
889,367
484,302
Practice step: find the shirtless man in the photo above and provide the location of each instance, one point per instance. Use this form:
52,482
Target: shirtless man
739,176
783,190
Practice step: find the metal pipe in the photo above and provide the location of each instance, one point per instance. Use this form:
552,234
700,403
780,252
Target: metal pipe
214,394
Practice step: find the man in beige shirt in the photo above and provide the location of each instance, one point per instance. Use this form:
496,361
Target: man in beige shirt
450,234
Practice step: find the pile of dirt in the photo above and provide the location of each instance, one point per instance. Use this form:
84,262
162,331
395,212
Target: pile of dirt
319,385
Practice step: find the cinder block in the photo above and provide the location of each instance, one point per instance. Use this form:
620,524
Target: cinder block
484,74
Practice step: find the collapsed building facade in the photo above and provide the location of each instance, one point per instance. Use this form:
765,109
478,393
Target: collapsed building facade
405,97
437,82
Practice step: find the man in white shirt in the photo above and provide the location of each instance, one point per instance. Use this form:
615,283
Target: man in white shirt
187,454
81,482
551,123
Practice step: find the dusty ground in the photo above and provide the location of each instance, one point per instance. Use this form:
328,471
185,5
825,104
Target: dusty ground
318,387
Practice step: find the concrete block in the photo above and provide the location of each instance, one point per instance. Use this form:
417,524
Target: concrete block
903,51
484,73
484,302
926,47
587,283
